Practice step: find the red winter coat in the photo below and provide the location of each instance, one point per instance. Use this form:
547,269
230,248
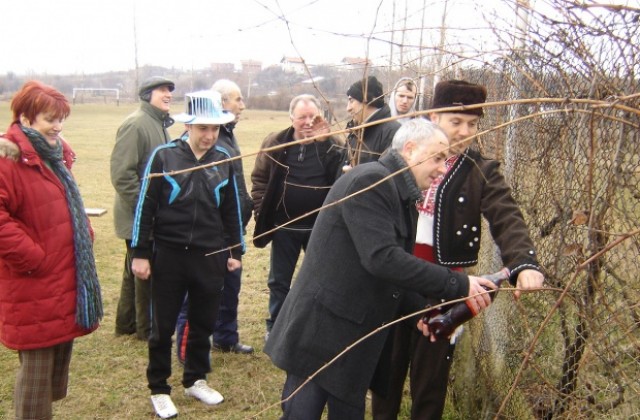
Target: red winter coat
37,263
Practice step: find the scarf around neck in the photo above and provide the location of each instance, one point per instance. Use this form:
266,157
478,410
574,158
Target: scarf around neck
88,298
410,181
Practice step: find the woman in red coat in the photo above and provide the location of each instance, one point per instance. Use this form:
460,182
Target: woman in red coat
49,290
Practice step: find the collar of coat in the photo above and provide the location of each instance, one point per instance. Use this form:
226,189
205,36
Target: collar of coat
406,182
379,114
27,153
157,114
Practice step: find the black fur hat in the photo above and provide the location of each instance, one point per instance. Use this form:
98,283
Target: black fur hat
375,94
450,93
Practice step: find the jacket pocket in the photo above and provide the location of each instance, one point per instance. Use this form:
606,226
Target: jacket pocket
341,307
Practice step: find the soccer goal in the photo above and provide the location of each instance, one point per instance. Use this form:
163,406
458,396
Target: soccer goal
93,94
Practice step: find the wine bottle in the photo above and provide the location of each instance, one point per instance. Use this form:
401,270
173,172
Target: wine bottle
444,324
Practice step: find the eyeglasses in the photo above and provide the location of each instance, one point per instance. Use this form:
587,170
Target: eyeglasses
304,117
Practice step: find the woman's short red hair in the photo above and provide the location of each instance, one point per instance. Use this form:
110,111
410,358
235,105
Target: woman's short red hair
35,97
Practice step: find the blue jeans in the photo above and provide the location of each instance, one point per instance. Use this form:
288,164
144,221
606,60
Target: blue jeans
226,330
309,403
285,251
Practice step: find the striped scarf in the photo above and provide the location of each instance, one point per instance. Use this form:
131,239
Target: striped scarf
88,300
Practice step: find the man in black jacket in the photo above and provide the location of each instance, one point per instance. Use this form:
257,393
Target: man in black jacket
192,215
289,183
365,104
225,334
449,234
357,270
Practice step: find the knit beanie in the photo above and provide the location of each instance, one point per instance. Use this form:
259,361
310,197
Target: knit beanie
458,92
375,94
152,83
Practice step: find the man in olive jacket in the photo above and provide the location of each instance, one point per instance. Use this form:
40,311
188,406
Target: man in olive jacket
140,133
357,269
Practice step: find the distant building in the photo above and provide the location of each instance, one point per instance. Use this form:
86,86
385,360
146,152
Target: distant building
251,66
355,63
293,65
222,67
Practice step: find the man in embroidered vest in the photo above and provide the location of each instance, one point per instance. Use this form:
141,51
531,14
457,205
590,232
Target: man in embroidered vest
448,234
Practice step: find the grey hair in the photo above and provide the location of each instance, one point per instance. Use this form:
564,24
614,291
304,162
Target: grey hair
225,87
304,98
418,130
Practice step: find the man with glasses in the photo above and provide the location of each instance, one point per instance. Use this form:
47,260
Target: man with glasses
288,183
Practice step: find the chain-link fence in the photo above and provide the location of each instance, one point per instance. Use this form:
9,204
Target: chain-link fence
573,160
563,117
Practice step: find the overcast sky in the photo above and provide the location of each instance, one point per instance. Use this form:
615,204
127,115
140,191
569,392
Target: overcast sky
87,36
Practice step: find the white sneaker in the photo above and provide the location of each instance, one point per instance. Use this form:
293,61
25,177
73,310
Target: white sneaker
164,406
201,391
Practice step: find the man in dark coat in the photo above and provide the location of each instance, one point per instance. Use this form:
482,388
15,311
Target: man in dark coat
289,183
365,104
357,269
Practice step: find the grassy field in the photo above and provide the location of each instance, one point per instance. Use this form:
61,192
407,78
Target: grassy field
107,372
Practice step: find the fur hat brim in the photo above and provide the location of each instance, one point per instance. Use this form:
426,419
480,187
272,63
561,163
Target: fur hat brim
452,93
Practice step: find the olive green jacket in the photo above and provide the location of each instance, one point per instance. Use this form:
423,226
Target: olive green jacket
140,133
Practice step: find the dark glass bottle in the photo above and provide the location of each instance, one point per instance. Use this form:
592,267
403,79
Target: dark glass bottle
444,324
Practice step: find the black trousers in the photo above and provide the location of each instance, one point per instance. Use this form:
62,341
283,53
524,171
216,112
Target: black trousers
225,332
176,272
429,365
286,246
309,402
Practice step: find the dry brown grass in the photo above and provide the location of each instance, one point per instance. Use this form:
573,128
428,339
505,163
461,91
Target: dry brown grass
107,372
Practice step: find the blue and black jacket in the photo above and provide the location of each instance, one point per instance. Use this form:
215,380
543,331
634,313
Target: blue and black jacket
190,210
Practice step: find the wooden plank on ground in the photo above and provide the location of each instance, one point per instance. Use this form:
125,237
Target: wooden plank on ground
94,211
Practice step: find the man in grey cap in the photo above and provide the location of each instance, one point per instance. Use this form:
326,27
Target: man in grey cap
140,133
